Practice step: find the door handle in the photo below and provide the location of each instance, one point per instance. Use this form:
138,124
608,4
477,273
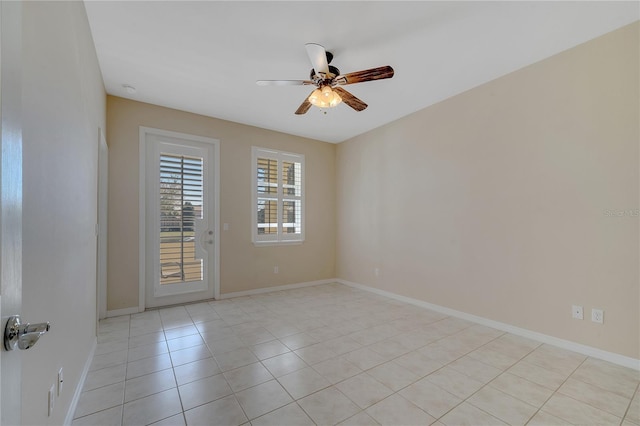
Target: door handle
22,336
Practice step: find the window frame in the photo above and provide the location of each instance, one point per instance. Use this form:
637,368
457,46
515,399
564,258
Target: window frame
279,238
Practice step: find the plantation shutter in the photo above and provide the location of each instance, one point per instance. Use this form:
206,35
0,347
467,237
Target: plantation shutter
278,182
181,203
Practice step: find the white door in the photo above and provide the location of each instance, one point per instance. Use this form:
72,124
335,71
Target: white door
180,219
10,203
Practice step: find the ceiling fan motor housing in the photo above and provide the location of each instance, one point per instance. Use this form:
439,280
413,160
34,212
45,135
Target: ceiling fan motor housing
332,70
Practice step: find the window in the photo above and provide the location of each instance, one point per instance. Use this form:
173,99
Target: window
181,199
278,197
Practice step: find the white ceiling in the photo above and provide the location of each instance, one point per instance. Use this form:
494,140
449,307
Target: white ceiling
205,56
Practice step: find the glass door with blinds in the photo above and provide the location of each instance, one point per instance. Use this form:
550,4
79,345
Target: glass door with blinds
180,225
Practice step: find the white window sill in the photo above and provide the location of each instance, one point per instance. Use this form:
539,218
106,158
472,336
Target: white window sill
278,243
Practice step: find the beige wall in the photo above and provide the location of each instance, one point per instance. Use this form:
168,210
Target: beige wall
242,265
64,104
495,202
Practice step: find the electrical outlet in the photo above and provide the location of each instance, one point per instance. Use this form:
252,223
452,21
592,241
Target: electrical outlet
376,272
597,315
52,399
276,269
60,381
577,312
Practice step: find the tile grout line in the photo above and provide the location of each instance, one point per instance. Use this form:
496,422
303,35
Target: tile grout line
636,394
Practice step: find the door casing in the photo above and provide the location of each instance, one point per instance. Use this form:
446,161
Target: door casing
144,132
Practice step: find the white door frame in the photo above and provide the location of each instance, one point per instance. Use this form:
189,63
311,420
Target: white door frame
144,131
103,196
10,202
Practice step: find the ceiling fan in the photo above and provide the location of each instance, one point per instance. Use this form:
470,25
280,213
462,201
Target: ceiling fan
328,80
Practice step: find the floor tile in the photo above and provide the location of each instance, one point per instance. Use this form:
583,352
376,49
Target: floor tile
577,412
555,359
262,399
147,351
149,384
203,391
257,336
223,412
152,408
105,376
514,346
213,326
393,375
522,389
235,359
418,363
605,375
454,382
545,419
633,413
365,358
396,410
360,419
100,399
364,390
247,376
475,369
337,369
503,406
104,348
185,342
298,340
433,362
284,364
109,417
148,365
146,339
109,359
227,344
467,415
595,396
177,420
390,348
539,375
303,382
432,399
194,353
315,353
269,349
328,407
290,414
493,358
174,333
341,345
196,370
324,333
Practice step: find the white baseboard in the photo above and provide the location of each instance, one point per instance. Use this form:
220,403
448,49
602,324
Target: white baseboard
120,312
612,357
76,394
276,288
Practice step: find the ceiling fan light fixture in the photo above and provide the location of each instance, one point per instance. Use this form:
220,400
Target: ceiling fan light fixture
325,98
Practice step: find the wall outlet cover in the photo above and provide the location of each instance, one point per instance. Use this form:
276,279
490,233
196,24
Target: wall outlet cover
597,316
577,312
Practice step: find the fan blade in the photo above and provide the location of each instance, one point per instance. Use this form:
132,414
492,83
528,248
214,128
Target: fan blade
366,75
304,107
350,100
318,58
284,82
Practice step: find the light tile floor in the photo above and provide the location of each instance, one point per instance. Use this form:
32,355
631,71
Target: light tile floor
332,354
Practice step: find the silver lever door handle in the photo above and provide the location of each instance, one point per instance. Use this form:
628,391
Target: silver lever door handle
22,336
